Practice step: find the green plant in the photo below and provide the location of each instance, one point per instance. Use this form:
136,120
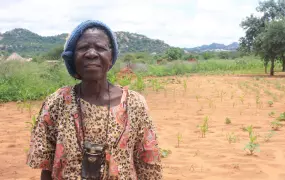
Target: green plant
222,95
253,145
270,103
204,127
211,103
249,129
125,81
258,102
29,106
185,85
268,136
112,78
198,97
268,92
164,153
20,106
271,114
275,125
228,121
275,98
139,84
241,98
32,123
232,138
156,85
26,150
179,139
281,117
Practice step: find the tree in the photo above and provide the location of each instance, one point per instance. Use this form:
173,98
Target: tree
188,56
254,27
207,55
128,58
270,44
224,55
174,53
55,53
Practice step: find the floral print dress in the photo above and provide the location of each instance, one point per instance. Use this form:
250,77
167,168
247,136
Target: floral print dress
132,151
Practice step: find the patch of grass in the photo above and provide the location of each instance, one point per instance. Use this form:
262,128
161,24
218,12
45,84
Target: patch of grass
35,81
271,114
156,85
270,103
139,84
269,135
31,81
281,117
228,121
276,125
125,81
204,127
232,138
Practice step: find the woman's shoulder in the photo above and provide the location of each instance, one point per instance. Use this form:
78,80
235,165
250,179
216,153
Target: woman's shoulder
137,98
62,94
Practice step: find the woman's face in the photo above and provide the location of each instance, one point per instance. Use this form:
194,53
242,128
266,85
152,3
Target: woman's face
93,55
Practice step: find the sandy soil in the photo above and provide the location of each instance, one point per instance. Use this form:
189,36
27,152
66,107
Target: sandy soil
178,110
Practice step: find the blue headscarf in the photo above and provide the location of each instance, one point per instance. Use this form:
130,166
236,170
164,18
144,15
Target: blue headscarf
69,48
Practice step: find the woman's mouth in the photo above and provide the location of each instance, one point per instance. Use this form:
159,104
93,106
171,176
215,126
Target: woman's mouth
93,66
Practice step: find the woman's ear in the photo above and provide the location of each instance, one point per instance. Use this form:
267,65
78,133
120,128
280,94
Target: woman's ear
77,76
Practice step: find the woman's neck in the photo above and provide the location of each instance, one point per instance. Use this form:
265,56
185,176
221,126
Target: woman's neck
93,90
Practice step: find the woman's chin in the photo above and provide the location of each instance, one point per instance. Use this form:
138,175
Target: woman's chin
92,77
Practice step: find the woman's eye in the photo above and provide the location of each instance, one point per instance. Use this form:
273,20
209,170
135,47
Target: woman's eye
101,48
82,48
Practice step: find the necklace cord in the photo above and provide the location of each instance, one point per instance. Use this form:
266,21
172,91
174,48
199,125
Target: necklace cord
81,116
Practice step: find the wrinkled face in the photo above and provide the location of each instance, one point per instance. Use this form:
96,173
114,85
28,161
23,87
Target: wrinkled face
93,55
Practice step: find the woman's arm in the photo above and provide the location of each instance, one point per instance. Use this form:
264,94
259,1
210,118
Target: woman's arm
43,139
46,175
146,152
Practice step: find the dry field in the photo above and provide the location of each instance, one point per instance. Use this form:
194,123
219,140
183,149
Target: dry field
178,111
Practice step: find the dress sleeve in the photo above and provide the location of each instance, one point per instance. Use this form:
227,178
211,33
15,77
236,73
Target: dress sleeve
43,141
146,153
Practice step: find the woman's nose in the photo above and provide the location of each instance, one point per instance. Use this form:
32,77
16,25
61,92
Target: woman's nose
91,53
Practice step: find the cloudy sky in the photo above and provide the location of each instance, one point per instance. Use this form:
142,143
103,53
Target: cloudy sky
182,23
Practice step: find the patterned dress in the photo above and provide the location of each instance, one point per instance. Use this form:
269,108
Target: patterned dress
57,134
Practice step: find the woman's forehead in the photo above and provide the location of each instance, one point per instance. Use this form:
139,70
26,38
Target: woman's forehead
94,34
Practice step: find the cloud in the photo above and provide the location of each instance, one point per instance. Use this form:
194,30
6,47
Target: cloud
180,23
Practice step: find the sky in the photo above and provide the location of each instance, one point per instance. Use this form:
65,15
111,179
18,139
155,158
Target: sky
180,23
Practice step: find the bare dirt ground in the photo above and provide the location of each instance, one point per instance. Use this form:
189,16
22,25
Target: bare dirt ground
178,110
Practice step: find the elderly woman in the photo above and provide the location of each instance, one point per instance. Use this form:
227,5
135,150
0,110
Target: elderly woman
94,130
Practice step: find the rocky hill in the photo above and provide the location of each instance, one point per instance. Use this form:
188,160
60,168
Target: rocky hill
214,47
27,43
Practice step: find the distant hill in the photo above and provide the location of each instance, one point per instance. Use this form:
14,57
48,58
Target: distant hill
131,42
214,47
27,43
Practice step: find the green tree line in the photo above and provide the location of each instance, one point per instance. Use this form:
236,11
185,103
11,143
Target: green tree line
265,34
